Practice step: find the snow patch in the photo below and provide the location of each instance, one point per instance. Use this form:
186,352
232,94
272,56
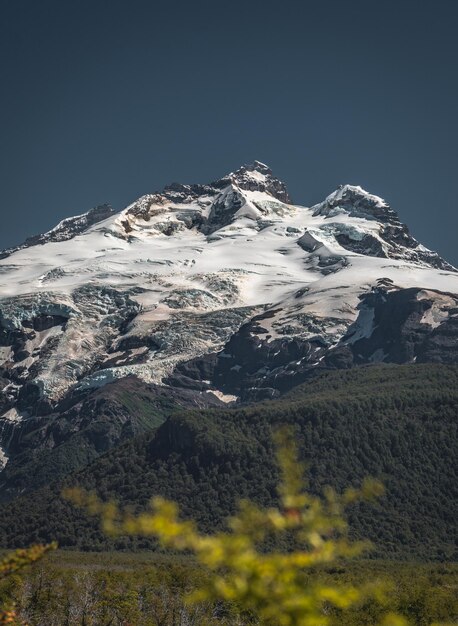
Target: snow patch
363,327
224,397
13,415
438,312
3,459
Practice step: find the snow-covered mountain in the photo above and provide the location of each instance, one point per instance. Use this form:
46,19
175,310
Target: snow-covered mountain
226,289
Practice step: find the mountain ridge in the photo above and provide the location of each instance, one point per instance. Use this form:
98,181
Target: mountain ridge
254,177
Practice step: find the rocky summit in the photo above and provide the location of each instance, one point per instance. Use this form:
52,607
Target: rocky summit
225,292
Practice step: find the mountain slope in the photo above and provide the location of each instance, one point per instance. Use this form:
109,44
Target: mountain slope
396,423
226,290
83,427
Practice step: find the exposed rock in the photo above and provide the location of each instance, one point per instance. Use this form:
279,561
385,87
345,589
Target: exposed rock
405,326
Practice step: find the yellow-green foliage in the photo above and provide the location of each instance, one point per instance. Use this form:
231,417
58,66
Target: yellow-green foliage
13,563
273,585
19,559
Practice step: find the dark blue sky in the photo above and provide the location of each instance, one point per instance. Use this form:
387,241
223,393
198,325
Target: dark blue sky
105,100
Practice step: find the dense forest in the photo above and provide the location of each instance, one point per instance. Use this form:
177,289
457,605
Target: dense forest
395,423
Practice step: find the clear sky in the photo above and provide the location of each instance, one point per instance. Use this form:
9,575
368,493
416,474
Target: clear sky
105,100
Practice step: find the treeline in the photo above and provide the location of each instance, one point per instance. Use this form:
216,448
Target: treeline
395,423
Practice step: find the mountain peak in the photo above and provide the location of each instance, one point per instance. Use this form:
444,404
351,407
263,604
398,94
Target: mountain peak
256,176
356,191
357,202
397,242
256,166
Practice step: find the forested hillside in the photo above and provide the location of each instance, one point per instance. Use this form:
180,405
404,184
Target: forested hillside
396,423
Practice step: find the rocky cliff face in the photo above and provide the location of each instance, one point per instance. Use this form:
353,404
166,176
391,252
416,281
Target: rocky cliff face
227,290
